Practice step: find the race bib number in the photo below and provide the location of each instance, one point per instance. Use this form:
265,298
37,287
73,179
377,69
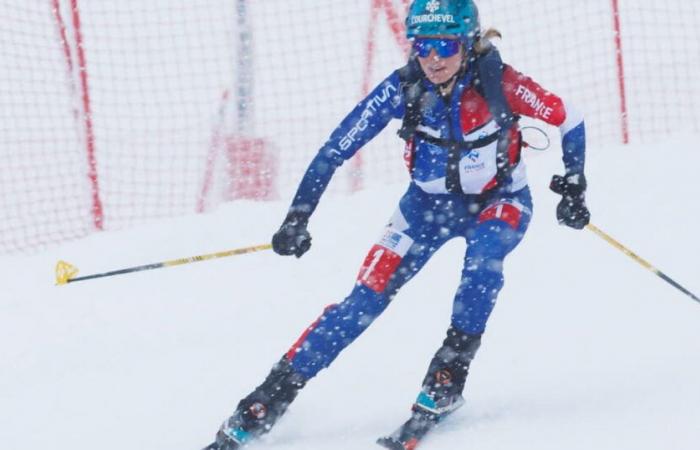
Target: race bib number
383,259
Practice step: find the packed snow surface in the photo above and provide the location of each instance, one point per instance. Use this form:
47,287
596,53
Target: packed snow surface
585,350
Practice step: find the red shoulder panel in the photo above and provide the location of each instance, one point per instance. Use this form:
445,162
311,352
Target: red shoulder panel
527,98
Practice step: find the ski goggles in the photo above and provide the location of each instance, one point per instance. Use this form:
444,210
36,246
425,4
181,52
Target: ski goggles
443,47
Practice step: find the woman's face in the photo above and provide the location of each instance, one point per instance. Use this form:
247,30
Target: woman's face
438,69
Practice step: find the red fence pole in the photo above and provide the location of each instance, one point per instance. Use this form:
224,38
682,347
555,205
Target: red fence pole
620,72
97,211
369,47
214,147
397,25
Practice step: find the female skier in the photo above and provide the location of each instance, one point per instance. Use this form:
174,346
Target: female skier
460,107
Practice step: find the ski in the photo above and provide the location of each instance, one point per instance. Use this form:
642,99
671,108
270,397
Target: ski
423,419
409,435
212,446
234,440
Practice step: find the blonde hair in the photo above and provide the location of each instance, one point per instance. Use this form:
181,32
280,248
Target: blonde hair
484,43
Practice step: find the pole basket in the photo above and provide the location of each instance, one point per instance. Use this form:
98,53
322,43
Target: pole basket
251,169
65,272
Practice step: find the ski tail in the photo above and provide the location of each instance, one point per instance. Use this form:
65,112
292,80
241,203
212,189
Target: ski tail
393,444
425,417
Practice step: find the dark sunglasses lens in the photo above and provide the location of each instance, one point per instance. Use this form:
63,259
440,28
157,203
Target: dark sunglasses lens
447,48
422,47
443,47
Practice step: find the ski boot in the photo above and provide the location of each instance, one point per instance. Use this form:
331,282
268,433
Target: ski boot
441,393
260,410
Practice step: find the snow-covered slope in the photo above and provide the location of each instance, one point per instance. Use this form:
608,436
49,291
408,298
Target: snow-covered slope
585,350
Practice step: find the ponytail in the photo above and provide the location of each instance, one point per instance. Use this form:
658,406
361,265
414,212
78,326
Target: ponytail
484,43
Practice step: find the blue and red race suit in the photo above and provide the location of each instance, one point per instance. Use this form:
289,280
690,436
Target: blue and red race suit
492,218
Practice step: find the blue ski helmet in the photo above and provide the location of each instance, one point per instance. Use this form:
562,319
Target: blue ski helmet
443,17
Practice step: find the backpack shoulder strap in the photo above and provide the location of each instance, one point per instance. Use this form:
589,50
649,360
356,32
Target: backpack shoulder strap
412,90
489,73
489,84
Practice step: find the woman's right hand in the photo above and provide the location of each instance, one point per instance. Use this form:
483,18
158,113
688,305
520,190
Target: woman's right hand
292,238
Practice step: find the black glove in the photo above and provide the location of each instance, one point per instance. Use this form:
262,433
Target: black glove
292,238
572,210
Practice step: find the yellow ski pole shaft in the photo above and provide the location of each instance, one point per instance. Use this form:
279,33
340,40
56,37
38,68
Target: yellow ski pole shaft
640,260
65,272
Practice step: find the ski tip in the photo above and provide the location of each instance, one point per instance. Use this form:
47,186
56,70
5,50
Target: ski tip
390,443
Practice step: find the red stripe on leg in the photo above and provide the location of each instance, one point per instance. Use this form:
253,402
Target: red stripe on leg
506,212
411,444
297,345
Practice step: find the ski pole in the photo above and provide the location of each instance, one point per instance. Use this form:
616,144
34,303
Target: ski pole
66,272
641,261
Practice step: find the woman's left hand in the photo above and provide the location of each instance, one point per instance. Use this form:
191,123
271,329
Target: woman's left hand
571,210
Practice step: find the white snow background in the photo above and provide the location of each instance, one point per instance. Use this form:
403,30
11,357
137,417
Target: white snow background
585,350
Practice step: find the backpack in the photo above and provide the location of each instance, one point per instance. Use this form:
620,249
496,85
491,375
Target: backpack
488,81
